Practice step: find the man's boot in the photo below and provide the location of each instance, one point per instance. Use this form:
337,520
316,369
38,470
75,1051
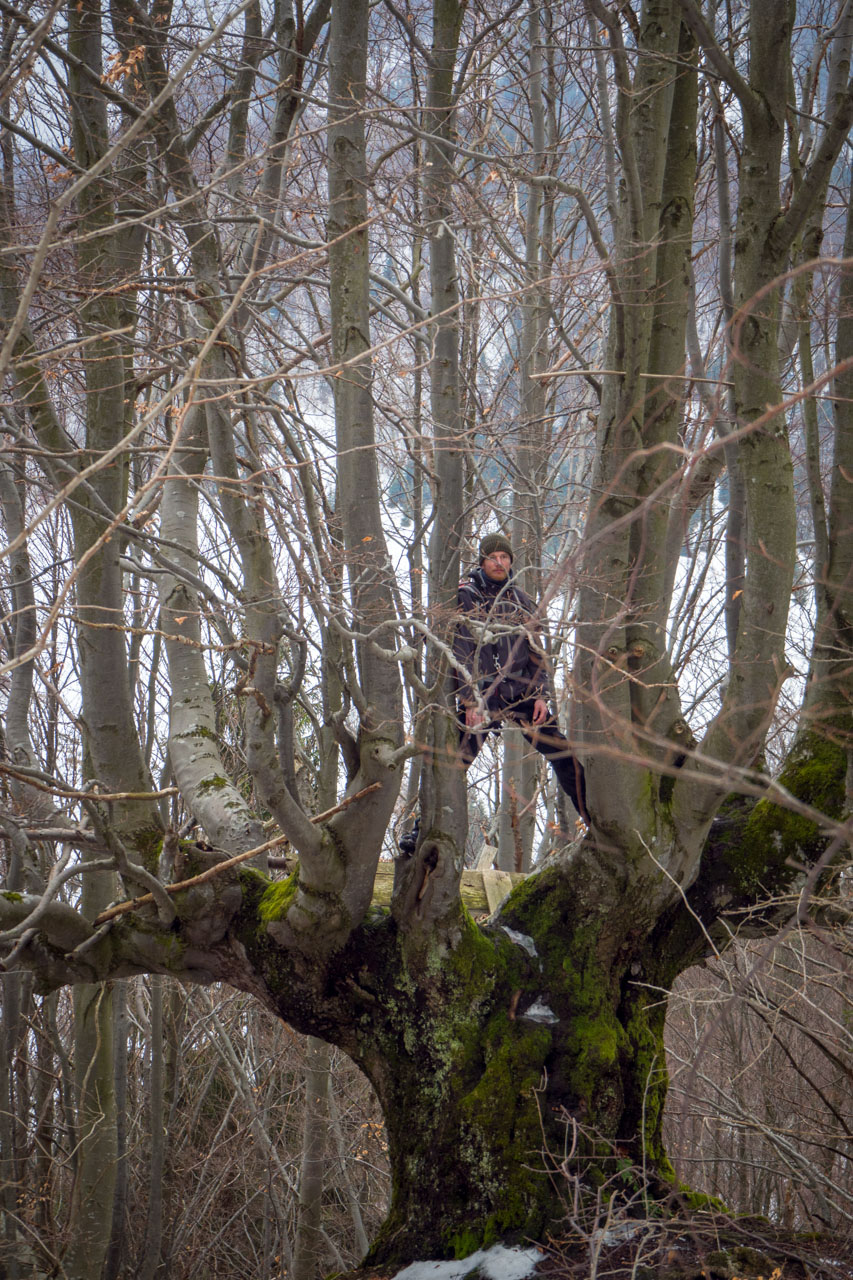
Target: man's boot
409,839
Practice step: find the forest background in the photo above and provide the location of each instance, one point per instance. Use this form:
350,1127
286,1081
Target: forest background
296,305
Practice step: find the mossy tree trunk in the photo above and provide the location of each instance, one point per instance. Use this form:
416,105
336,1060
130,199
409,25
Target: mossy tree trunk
490,1050
514,1059
523,1059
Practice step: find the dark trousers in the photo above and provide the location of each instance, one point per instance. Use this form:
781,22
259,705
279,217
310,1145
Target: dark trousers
547,738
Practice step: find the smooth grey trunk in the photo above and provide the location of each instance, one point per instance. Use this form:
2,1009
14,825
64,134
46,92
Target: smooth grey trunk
157,1113
520,764
93,1192
736,517
31,804
807,249
47,1121
309,1240
431,877
216,803
23,617
11,986
830,667
93,1196
308,1245
519,780
623,560
112,742
121,1024
337,869
343,1173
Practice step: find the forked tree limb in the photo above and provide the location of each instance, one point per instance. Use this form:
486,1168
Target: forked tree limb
122,908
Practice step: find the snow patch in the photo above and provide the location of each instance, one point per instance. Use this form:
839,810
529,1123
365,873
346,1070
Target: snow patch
539,1012
497,1263
618,1233
522,940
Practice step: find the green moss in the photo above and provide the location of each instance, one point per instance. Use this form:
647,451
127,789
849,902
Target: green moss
590,1045
593,1044
476,955
215,783
254,882
376,915
698,1202
277,898
515,1056
608,1062
10,896
199,731
147,844
643,1017
579,976
474,1093
539,904
764,850
461,1100
464,1243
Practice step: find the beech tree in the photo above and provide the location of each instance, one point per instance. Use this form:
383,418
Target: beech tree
218,347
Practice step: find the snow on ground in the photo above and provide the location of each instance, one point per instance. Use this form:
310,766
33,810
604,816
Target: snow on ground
497,1263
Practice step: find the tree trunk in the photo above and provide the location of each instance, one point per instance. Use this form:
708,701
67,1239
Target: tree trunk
91,1212
121,1023
512,1059
519,778
159,1135
307,1248
11,986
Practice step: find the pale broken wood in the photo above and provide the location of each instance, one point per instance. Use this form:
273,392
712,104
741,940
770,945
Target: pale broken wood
481,891
498,886
486,857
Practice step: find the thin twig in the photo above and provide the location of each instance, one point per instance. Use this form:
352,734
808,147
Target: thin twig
682,375
32,778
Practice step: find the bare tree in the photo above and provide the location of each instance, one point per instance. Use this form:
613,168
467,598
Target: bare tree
210,287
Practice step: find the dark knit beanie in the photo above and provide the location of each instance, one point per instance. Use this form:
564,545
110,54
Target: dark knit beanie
494,542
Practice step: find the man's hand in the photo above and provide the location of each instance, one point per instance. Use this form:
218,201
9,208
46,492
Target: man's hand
473,717
540,711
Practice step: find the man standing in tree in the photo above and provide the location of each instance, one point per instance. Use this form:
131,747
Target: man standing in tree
498,644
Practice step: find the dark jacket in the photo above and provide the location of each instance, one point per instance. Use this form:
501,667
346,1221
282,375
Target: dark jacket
496,640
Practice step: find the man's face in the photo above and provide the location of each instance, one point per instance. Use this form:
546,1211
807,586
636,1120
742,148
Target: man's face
497,566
